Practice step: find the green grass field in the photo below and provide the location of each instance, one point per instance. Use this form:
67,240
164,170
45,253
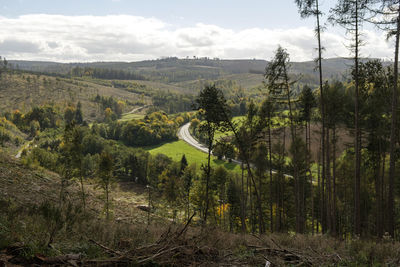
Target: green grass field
176,149
131,116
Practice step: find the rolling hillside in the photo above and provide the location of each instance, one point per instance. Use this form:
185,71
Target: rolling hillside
23,91
175,71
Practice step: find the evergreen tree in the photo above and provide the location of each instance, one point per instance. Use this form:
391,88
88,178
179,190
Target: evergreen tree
309,8
307,102
278,81
78,114
189,175
184,164
389,14
210,102
266,113
350,14
105,174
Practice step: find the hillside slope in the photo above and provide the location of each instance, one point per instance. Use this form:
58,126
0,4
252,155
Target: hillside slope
23,91
33,186
172,70
35,229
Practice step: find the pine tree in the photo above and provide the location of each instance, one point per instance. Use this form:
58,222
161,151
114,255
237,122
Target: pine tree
278,81
388,14
105,170
183,164
350,15
209,103
307,103
78,114
309,8
266,114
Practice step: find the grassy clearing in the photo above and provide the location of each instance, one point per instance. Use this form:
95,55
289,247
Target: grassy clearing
131,116
176,149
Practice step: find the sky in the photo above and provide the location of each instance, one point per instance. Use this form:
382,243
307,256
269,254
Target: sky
133,30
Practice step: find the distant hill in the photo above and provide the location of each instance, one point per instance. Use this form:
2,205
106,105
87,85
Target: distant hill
186,73
75,82
174,70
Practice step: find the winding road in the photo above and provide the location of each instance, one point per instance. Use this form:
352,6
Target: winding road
185,135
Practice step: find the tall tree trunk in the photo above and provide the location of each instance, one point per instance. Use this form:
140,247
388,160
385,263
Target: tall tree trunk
252,220
299,223
357,183
208,173
321,91
270,174
393,137
82,192
242,204
307,155
383,191
281,186
328,183
260,187
311,177
333,210
378,184
107,203
188,205
249,172
319,180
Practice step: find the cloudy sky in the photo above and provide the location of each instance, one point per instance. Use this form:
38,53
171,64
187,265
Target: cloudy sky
132,30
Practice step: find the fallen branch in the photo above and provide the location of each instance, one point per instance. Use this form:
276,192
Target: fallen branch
109,250
164,235
158,255
59,259
186,225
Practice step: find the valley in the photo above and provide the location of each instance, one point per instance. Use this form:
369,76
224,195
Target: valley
199,134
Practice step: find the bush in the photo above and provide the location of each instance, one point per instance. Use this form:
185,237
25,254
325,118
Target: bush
44,158
5,136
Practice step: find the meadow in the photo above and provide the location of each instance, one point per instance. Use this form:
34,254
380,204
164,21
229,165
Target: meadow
131,116
177,149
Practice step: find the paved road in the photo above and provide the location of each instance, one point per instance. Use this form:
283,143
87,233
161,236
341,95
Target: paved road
185,135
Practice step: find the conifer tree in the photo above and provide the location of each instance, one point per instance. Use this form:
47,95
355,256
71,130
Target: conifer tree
210,102
309,8
386,16
278,81
350,14
307,103
105,170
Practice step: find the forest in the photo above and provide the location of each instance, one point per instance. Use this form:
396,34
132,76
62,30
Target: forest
301,167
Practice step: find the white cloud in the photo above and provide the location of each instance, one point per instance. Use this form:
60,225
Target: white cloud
131,38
